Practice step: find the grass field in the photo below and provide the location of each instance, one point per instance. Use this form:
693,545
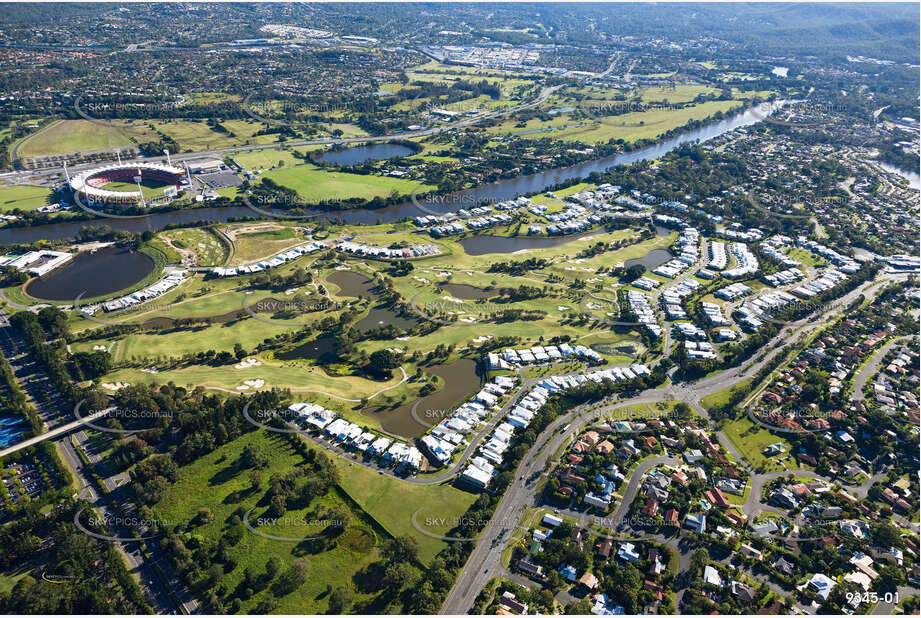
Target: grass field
392,502
199,245
219,483
149,188
315,185
717,400
192,135
66,136
270,158
262,243
750,440
276,374
24,197
629,127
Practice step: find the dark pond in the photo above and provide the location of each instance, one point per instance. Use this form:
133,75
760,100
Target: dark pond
360,154
651,260
322,349
466,292
353,284
487,193
460,380
384,316
92,274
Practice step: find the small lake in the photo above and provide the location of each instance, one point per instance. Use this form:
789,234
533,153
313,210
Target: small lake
651,260
321,349
360,154
780,71
381,316
106,271
460,380
352,284
465,291
481,245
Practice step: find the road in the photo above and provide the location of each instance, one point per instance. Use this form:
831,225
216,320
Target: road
872,367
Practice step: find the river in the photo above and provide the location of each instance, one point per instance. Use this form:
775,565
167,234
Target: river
486,193
913,178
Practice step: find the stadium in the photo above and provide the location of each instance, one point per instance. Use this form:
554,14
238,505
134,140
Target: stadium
128,185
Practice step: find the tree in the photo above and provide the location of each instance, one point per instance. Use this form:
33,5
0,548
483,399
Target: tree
253,457
400,549
279,505
255,479
382,361
239,352
273,566
205,515
397,576
340,600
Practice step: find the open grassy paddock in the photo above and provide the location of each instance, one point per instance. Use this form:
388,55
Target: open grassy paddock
315,185
23,197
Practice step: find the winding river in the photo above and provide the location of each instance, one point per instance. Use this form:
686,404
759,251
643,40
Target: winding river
486,193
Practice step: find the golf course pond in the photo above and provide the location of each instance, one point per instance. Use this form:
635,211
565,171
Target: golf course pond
464,291
651,260
459,380
351,283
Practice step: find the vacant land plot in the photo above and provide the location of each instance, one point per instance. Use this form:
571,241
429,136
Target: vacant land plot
198,245
73,136
261,243
392,502
720,399
750,440
193,135
24,197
